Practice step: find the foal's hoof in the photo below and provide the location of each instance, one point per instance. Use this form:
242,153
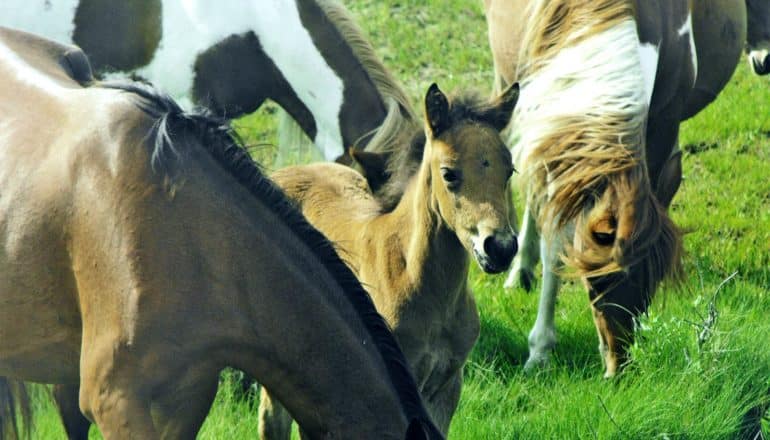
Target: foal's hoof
520,277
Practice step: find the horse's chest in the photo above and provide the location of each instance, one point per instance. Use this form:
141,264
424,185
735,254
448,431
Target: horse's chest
437,351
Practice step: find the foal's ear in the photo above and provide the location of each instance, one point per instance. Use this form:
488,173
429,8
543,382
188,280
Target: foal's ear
499,112
416,430
373,166
436,110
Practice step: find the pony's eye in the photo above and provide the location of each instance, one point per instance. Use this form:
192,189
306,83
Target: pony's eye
603,238
451,177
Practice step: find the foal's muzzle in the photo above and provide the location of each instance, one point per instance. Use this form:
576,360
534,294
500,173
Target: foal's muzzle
498,252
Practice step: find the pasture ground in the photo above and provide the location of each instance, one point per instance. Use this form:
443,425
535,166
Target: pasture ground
677,387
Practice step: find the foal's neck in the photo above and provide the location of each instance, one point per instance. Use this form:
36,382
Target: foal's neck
433,252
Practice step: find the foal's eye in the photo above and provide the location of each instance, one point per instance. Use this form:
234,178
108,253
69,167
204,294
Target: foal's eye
451,177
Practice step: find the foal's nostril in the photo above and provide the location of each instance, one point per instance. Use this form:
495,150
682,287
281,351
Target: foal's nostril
501,252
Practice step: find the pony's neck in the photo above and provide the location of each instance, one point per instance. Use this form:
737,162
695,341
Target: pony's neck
431,246
582,112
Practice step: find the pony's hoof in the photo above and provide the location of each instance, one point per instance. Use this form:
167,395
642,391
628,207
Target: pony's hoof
537,363
520,277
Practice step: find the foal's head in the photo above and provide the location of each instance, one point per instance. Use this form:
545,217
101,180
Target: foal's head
469,168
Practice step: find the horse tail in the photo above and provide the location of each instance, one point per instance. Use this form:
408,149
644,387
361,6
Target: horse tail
14,408
294,146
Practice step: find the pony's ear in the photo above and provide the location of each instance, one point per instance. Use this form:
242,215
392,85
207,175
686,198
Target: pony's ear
499,112
373,166
416,430
436,110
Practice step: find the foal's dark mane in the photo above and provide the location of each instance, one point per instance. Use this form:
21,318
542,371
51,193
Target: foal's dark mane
217,137
405,160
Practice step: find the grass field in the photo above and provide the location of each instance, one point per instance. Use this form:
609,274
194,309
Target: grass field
677,387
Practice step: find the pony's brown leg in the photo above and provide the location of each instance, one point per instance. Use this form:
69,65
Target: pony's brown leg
274,419
670,178
75,424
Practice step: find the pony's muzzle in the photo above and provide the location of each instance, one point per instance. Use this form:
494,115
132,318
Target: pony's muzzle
760,61
499,250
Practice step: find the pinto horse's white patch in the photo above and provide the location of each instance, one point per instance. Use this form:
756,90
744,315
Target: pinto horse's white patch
192,26
600,75
648,56
686,29
53,19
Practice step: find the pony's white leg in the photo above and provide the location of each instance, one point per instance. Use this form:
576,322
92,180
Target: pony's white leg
542,338
523,273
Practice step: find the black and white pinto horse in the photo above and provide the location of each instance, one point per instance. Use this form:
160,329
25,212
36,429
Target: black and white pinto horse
230,55
605,85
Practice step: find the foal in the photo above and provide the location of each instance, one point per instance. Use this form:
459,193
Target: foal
415,259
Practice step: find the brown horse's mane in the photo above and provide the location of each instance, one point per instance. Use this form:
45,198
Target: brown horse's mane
574,156
405,159
217,137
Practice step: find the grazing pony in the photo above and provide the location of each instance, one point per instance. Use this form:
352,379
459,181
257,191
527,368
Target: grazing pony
229,56
758,35
604,86
414,257
142,251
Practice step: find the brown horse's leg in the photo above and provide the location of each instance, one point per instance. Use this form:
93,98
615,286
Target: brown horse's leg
114,391
182,411
274,420
75,424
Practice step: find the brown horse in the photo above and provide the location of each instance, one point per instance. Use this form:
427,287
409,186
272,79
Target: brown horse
143,251
605,85
414,259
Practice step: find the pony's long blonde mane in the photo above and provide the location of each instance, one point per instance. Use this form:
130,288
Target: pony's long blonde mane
400,114
579,128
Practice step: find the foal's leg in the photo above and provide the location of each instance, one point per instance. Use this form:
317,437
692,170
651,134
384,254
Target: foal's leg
274,419
522,273
542,338
443,404
75,424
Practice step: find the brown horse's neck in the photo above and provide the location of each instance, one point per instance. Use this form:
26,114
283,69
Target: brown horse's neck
433,252
317,393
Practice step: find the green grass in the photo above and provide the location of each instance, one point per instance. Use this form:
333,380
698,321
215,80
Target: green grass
676,388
